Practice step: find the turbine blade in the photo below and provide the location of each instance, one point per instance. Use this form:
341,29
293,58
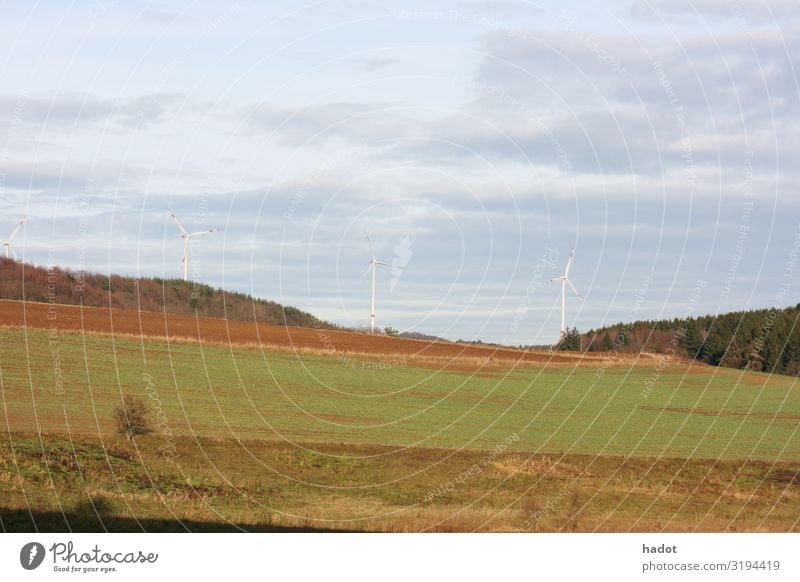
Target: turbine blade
569,263
13,252
557,279
371,266
16,230
382,263
202,232
573,287
178,222
369,242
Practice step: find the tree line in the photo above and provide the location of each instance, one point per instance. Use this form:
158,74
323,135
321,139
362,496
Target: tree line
764,340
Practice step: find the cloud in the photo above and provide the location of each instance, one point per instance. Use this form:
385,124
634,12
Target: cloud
319,124
744,11
80,111
377,63
579,103
642,101
70,178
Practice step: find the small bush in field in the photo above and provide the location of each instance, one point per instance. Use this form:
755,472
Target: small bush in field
131,417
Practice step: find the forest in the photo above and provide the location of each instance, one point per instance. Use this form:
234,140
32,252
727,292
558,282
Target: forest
764,340
22,281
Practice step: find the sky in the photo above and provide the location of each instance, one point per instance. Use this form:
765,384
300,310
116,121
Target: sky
477,143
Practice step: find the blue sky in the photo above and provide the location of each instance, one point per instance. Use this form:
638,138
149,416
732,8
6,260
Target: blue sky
478,142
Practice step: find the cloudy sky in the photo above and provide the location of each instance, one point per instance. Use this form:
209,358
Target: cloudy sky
477,142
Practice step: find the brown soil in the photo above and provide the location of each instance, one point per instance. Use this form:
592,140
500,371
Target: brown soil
126,323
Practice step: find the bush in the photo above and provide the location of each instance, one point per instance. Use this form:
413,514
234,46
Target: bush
131,417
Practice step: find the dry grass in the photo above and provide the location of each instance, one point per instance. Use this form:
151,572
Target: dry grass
213,487
539,466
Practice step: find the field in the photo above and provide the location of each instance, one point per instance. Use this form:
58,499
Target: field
269,428
66,318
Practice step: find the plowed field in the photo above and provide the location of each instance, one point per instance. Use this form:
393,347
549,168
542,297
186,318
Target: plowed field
69,318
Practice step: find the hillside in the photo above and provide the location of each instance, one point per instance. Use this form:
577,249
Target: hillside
347,346
765,340
20,281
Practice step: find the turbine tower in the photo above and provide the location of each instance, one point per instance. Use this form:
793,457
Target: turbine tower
373,266
564,280
187,236
7,243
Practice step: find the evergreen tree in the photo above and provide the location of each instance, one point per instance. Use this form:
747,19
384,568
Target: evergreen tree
570,341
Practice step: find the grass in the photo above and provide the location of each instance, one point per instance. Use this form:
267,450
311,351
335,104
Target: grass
213,391
215,485
269,441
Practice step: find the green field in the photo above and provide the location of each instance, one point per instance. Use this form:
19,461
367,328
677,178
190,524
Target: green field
246,394
314,442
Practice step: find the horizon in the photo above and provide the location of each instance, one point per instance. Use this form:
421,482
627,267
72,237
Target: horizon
364,328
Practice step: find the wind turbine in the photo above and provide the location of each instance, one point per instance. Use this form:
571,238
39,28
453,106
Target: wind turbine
7,243
373,266
187,236
564,280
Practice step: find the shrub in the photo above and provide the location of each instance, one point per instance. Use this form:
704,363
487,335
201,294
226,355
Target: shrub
131,417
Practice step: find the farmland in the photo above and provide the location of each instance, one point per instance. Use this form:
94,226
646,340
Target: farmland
270,428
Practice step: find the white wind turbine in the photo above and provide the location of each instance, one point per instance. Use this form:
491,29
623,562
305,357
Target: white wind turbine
7,243
373,266
564,280
187,236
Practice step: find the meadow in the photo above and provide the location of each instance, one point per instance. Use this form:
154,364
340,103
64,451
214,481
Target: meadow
258,440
